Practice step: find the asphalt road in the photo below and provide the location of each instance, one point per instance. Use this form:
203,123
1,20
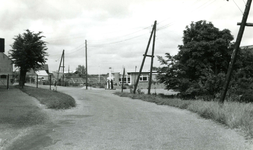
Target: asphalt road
103,121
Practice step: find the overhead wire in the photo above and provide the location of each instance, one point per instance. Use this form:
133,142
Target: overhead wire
128,36
238,6
204,5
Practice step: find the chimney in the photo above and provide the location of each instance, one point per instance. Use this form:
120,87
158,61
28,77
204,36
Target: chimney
1,45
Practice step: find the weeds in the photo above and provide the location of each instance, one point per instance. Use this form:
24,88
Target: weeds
232,114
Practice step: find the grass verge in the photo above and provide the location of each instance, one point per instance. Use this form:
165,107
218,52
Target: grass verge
52,99
235,115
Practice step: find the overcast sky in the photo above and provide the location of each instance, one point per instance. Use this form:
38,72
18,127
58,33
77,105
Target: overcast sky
116,31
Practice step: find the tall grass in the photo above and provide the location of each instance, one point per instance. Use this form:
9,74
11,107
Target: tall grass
52,99
235,115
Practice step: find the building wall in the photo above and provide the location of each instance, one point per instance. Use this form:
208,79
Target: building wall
6,69
131,77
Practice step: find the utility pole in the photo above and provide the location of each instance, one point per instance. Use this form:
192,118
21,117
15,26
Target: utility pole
62,59
8,79
63,55
86,65
144,57
152,59
122,84
236,49
50,81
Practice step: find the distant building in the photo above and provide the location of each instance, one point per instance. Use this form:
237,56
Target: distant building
42,73
6,69
131,77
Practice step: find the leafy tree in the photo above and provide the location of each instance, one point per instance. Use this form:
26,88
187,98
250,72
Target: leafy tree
28,52
242,82
201,62
81,71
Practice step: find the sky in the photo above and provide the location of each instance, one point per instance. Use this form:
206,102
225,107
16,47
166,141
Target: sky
117,31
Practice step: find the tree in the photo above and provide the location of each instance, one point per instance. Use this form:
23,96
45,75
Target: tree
201,62
81,71
241,85
28,52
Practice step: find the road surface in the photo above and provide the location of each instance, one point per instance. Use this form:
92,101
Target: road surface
103,121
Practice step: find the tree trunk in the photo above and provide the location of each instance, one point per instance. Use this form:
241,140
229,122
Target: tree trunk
22,77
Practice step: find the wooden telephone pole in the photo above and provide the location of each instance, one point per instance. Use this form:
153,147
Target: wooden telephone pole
122,81
62,60
235,51
144,57
86,65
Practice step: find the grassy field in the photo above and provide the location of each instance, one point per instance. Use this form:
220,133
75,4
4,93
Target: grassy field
232,114
52,99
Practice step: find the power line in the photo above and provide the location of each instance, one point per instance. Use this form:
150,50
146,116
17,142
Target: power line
116,42
238,6
204,5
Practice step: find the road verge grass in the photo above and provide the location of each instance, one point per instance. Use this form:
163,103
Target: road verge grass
52,99
235,115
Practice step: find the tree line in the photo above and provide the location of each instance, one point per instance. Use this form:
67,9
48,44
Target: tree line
198,69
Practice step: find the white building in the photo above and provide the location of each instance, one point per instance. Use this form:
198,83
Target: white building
6,69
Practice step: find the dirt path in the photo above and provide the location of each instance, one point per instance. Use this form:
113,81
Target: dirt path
103,121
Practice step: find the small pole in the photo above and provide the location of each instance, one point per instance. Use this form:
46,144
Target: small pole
37,83
8,77
86,65
122,86
63,60
50,82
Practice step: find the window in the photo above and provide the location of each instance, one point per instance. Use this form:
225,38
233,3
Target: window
143,78
3,76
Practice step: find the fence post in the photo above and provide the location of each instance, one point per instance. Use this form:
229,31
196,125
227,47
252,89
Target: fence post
50,81
8,81
37,81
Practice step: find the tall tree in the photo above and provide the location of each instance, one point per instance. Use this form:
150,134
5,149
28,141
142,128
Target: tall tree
80,70
203,57
28,52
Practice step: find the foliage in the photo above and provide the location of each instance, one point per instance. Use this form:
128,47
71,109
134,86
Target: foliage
242,82
81,71
199,67
28,52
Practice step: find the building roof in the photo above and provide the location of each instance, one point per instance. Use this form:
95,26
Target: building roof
141,72
5,56
41,73
44,67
